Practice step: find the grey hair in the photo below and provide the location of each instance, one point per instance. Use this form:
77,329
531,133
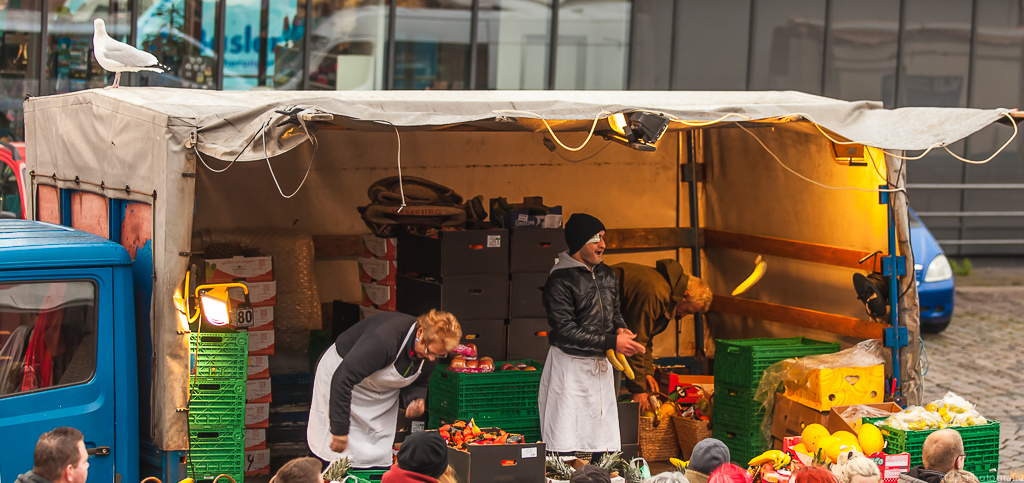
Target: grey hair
668,477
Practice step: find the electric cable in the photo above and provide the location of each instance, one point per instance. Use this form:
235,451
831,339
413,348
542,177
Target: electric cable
925,362
195,147
552,132
316,146
401,186
560,155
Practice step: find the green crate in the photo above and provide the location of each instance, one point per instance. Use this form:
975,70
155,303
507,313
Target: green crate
528,427
743,361
499,394
217,403
981,445
735,403
367,475
216,451
742,440
220,354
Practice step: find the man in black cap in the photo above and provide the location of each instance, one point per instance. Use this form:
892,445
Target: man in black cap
423,458
576,399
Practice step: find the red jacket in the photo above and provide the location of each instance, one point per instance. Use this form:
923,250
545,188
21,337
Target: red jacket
398,475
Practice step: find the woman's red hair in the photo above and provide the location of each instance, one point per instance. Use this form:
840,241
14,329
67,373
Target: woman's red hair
730,473
813,474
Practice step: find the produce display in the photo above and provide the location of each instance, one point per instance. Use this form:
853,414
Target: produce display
337,470
633,471
672,404
460,433
817,441
619,362
950,411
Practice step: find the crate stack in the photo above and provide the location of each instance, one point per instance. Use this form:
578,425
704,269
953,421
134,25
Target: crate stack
378,268
981,445
532,253
739,365
462,272
216,404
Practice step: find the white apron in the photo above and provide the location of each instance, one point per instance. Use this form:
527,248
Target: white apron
373,415
577,404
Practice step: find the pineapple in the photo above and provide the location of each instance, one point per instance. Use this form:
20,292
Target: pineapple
557,469
631,472
337,470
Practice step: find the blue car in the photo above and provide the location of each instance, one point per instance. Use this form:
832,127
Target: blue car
934,278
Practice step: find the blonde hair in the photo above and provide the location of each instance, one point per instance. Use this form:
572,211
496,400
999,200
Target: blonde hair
440,326
448,476
859,465
699,294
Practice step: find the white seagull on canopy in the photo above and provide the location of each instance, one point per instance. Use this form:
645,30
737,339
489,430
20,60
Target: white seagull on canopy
120,57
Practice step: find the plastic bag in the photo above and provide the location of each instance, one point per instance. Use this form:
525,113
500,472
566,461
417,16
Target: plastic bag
854,414
951,410
796,372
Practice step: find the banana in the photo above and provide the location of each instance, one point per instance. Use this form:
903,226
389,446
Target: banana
678,463
611,355
774,456
760,267
625,366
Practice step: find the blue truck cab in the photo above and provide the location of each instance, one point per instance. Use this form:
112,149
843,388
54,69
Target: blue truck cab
67,347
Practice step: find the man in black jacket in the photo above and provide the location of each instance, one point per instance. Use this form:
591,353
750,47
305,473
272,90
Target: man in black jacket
59,457
942,452
577,390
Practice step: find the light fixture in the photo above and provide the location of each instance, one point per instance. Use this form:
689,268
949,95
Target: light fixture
638,130
873,292
849,154
216,304
618,124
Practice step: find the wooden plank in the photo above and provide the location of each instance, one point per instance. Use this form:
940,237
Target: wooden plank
337,246
796,250
648,238
784,314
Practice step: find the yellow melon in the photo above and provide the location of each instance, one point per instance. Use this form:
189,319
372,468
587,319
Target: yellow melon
870,439
811,434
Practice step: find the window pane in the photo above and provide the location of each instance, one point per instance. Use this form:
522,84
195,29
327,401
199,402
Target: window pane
19,63
513,38
649,57
248,60
10,196
180,33
71,65
593,41
936,46
788,37
862,43
719,64
47,335
349,41
432,45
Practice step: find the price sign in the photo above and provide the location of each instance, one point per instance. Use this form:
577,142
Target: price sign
243,317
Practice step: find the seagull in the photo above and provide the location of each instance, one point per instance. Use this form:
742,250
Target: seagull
120,57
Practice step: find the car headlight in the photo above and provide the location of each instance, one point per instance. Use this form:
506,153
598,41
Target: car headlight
938,270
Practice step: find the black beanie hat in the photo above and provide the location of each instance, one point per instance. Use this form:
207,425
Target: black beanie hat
425,453
580,228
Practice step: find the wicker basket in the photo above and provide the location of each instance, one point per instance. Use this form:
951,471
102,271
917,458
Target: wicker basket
689,432
658,439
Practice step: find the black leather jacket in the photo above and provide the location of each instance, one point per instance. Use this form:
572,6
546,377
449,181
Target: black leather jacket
583,307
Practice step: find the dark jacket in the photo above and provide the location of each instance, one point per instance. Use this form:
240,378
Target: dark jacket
398,475
918,474
31,477
583,307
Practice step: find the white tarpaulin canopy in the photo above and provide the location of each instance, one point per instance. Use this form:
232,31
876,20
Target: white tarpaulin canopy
139,143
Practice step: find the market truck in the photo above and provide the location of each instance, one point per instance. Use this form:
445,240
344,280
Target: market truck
714,179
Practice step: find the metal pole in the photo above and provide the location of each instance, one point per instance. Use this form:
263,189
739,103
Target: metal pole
553,44
219,32
894,319
389,73
694,138
307,36
474,28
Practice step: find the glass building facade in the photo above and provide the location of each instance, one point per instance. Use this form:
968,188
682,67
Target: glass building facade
955,53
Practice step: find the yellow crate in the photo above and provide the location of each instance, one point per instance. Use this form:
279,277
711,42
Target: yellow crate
842,386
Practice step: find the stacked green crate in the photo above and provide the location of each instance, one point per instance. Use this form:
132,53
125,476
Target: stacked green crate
216,415
502,399
981,445
739,365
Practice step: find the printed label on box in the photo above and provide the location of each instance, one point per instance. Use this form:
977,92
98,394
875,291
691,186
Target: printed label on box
255,439
261,294
257,391
257,462
261,343
529,452
376,247
257,415
252,269
493,241
379,296
380,271
262,318
259,367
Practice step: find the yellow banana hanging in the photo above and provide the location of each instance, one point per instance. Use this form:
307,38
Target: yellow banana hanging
610,354
760,267
774,456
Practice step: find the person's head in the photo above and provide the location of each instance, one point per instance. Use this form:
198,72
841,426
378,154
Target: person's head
813,474
668,477
696,298
438,333
860,469
425,453
299,470
60,456
943,451
730,473
708,455
584,235
590,474
961,476
448,476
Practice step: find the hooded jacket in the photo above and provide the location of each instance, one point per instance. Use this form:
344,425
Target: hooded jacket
31,477
582,306
919,474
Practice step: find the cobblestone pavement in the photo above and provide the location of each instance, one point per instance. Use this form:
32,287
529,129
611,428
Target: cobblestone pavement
981,357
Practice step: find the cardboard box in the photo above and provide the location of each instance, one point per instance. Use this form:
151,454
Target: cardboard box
262,318
257,415
261,294
252,269
257,391
468,252
489,336
790,417
842,386
514,463
527,295
257,462
259,367
891,465
535,249
261,343
365,312
528,339
630,451
377,247
380,297
466,296
255,439
837,423
521,217
377,271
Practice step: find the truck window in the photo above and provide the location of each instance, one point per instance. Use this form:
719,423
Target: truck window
10,197
47,335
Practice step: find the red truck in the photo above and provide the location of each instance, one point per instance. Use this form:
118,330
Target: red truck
12,180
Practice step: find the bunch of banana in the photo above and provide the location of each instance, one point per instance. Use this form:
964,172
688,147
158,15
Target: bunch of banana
679,464
777,458
619,363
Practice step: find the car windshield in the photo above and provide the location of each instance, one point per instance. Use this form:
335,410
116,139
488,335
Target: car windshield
915,222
